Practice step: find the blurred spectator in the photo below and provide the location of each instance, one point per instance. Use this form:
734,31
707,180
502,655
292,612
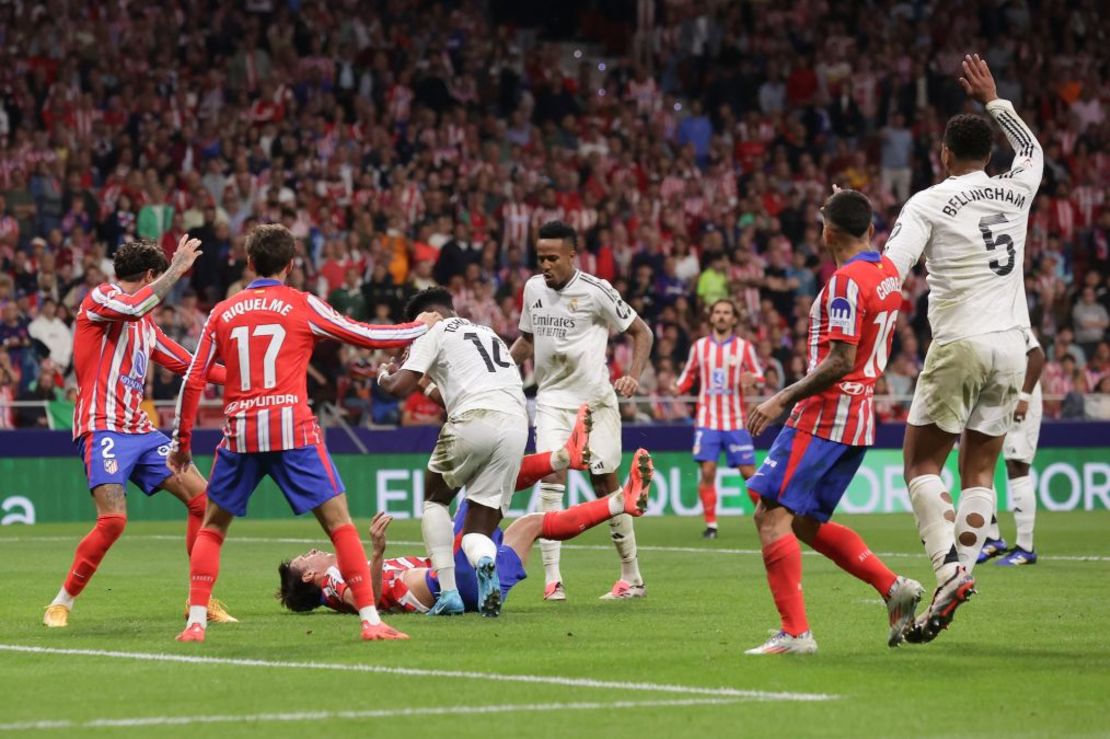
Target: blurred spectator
1091,320
348,298
52,331
420,410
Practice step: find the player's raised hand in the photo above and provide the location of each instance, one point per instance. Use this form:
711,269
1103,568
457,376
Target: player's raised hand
764,414
179,460
626,386
977,80
188,249
378,526
429,318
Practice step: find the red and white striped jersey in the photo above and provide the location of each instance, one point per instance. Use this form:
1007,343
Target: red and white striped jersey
859,305
114,340
395,596
516,222
716,367
265,335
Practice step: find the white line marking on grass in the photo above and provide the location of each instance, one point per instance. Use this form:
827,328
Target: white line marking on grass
143,721
569,682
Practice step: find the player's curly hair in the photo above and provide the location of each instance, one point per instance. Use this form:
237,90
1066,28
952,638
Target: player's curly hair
296,594
969,137
426,299
271,248
133,259
559,230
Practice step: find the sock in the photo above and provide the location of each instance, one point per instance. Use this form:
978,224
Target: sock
976,506
551,499
196,508
204,568
624,539
1023,500
476,546
535,467
562,525
708,495
439,539
845,547
63,598
783,561
90,551
351,558
992,531
933,512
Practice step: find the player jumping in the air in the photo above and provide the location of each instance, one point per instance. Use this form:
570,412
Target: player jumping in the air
971,228
479,447
114,341
833,422
564,324
265,335
723,365
1018,450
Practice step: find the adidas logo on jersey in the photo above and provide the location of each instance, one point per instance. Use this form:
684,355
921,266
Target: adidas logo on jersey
538,304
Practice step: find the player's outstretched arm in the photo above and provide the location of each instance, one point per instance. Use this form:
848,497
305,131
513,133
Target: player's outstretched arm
378,526
689,373
325,321
112,304
398,382
642,340
838,363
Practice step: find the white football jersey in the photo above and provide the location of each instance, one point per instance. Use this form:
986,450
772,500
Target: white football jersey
470,365
971,230
570,330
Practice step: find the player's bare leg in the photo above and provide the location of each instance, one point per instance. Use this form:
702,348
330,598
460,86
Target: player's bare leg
782,558
111,519
439,539
204,569
707,494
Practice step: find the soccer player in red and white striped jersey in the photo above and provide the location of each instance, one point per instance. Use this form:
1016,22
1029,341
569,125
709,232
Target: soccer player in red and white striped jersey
265,335
722,365
115,339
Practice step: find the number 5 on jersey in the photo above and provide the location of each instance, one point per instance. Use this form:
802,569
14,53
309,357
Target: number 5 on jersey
242,338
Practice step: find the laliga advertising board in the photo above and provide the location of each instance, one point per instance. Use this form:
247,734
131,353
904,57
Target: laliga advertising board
47,490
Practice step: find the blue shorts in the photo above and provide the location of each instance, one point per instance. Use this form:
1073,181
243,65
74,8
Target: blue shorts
806,474
306,476
737,446
113,459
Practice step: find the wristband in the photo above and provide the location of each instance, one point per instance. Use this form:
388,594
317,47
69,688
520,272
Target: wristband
430,389
382,374
1024,397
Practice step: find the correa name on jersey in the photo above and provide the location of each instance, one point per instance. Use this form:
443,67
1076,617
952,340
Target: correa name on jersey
1003,194
272,305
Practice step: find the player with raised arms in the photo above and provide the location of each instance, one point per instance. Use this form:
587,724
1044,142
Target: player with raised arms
265,335
971,229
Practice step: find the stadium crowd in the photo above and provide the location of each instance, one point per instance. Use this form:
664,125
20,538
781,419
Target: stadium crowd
407,144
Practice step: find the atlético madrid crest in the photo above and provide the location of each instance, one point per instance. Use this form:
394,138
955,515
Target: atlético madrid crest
110,466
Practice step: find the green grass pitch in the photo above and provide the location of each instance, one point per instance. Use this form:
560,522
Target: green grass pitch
1029,656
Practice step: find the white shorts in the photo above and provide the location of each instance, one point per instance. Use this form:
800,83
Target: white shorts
1021,441
553,427
971,384
481,450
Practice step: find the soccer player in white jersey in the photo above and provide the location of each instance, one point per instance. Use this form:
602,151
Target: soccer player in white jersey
479,447
971,228
1018,450
565,325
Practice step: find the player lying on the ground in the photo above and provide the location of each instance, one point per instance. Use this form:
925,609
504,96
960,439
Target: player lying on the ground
408,583
833,422
115,340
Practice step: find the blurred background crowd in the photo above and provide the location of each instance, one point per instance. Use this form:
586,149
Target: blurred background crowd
409,143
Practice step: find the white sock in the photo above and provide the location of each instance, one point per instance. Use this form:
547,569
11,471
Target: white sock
551,499
63,598
976,506
439,538
370,614
624,539
993,531
1023,501
560,459
198,615
616,503
932,509
476,546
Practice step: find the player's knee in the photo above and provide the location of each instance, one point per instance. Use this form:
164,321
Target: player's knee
111,525
1016,469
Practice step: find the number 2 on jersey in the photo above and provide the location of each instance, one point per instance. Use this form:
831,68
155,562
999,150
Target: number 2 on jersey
497,358
991,241
241,335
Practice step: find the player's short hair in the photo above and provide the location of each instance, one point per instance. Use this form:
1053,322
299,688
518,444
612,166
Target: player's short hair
726,301
134,258
271,248
427,298
969,137
296,594
559,230
848,211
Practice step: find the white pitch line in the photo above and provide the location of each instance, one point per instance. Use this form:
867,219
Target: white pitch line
569,682
142,721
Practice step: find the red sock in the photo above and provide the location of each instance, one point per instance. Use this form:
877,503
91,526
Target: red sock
708,495
533,468
196,508
204,566
848,550
783,560
92,549
352,564
562,525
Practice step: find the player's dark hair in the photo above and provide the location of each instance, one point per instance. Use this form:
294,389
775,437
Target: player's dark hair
270,248
426,299
969,137
134,258
559,230
296,594
848,211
